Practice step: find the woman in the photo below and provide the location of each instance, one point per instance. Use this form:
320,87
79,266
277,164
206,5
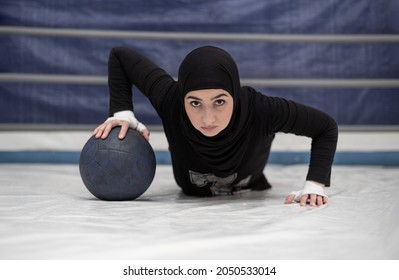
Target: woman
219,133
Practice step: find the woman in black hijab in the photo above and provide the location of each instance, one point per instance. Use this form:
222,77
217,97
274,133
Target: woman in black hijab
219,132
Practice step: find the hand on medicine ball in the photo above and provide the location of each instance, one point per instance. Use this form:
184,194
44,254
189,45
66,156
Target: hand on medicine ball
102,131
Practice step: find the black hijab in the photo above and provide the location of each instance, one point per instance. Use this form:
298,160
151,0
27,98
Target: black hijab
213,68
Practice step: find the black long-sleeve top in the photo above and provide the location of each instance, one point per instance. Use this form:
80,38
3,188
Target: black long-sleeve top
271,115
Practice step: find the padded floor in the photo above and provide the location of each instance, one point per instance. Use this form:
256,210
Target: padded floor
47,213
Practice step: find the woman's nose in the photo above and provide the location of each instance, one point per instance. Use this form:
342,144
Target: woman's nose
208,117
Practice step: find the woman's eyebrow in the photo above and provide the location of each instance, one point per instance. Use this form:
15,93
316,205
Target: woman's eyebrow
213,98
218,96
193,97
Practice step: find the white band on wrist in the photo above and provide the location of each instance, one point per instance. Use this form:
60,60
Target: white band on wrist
313,188
130,118
127,116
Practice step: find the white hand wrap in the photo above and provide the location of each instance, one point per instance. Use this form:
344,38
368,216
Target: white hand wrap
130,118
309,188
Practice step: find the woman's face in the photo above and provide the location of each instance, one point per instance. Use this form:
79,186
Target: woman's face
209,110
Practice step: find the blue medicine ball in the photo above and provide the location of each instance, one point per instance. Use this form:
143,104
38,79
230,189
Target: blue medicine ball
114,169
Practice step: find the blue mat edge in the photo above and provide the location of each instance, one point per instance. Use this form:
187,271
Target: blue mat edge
385,158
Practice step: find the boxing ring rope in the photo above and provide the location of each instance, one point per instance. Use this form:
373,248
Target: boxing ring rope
146,35
102,80
193,36
201,36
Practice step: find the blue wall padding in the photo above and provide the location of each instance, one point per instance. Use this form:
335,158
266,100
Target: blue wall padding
83,104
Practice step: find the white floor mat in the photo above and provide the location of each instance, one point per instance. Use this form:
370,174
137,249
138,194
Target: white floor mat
47,213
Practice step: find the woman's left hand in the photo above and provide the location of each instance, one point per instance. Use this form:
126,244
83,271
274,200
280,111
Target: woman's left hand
312,194
312,199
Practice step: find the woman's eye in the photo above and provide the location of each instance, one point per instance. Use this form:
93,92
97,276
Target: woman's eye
219,102
195,103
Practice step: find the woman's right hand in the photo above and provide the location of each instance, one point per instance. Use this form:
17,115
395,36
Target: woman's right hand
102,131
120,119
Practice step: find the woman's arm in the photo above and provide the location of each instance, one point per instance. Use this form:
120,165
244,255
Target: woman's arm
126,68
292,117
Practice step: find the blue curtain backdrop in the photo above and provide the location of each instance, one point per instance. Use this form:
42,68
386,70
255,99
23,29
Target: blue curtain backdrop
88,104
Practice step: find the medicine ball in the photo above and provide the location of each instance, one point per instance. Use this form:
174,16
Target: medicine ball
115,169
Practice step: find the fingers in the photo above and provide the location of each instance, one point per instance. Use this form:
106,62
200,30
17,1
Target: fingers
98,132
146,134
124,129
103,130
107,130
313,200
304,200
319,200
289,199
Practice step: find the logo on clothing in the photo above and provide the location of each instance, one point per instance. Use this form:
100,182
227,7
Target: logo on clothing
218,185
